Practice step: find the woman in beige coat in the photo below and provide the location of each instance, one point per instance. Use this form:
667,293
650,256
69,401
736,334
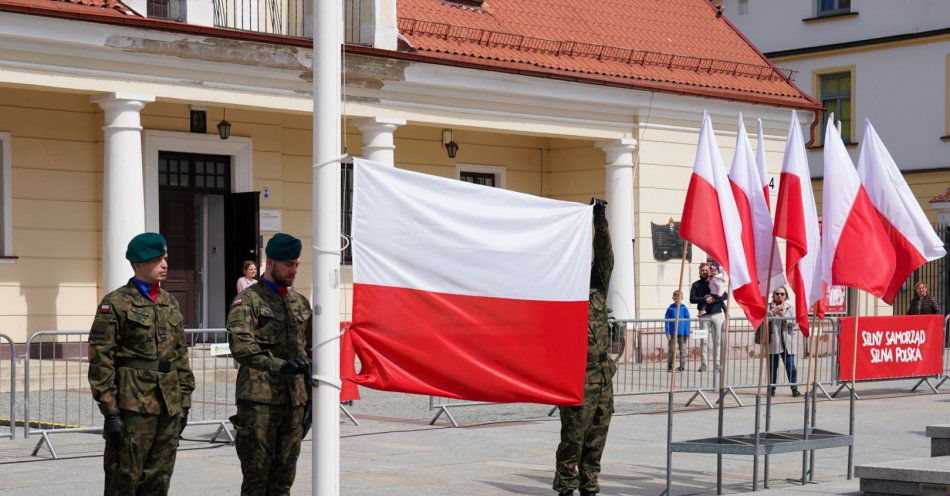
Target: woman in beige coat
783,341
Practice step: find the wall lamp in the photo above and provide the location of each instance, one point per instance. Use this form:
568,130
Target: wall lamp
450,146
224,127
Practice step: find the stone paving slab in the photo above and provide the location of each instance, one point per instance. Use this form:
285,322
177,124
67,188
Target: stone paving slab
393,455
930,470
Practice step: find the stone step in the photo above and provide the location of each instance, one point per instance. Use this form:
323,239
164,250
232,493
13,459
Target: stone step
939,439
920,476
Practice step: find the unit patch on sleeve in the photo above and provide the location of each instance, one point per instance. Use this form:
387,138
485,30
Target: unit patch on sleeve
104,308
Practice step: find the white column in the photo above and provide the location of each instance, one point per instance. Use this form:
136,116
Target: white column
123,197
621,296
378,144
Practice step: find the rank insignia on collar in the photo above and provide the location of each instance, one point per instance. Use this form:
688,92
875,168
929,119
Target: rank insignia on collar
104,308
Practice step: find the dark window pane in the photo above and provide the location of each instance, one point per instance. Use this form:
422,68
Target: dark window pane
173,180
199,167
162,165
199,181
185,167
221,183
183,180
173,166
844,4
485,179
220,168
163,179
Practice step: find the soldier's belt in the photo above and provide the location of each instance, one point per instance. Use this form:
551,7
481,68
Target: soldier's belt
596,357
160,365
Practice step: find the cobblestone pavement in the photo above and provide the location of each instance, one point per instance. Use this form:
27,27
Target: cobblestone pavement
509,449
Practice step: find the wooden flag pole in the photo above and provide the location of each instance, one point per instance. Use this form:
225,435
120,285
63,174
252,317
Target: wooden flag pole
669,401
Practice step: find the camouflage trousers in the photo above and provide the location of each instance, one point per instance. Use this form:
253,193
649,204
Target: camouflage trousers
583,436
268,444
143,464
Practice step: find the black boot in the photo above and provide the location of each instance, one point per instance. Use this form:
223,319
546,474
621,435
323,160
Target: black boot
795,393
771,391
585,492
566,492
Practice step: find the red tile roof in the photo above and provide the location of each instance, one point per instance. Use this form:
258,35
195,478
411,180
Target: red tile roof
678,45
67,7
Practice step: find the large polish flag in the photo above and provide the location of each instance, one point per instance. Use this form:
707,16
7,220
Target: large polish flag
467,291
914,240
856,250
796,221
711,221
757,239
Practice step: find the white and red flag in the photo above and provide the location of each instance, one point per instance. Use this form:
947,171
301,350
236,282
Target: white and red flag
856,250
796,221
761,165
711,221
757,239
467,291
911,235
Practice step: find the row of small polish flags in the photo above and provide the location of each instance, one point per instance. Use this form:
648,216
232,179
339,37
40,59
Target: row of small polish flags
874,230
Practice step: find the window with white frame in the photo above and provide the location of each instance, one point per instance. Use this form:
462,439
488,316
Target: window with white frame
6,197
833,7
485,175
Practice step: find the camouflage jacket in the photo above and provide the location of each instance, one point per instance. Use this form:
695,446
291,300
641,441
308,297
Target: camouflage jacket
138,355
265,330
599,370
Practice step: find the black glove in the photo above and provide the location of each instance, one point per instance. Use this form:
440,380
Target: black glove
113,429
182,421
600,207
298,365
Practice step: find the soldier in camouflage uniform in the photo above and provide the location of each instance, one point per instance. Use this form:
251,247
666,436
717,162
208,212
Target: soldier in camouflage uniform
584,428
139,375
269,332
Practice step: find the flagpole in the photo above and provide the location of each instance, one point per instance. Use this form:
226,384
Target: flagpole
669,401
327,46
723,345
854,371
764,342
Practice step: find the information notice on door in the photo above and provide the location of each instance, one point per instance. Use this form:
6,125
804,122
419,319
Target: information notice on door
892,347
270,219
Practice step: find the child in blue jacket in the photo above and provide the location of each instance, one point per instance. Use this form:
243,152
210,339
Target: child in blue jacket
682,335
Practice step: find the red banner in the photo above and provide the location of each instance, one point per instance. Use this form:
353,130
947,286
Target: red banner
892,347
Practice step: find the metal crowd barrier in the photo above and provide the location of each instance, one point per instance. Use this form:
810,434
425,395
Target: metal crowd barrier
642,362
10,370
57,398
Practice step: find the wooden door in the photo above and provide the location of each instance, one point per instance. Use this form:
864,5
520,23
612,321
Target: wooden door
177,224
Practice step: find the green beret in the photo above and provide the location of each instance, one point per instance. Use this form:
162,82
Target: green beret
145,247
283,247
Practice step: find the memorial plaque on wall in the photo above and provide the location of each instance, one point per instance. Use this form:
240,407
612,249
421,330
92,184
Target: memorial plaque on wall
667,244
